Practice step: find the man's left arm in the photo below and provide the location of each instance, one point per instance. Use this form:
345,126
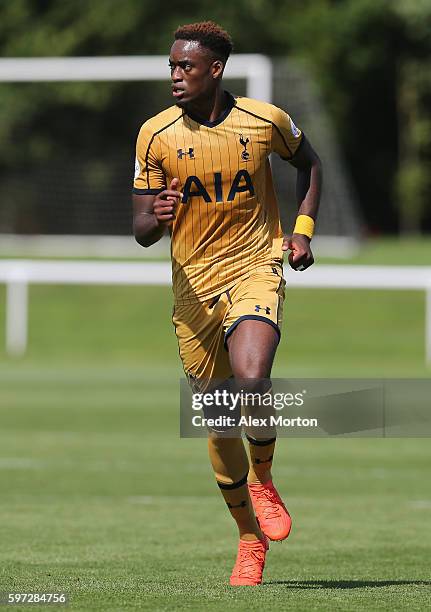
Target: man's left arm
308,190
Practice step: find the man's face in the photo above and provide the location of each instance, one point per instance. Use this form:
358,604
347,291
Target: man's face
194,71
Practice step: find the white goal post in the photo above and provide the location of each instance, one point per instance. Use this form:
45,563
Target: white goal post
255,68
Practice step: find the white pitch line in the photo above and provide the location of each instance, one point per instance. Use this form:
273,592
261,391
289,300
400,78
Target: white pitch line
20,463
420,504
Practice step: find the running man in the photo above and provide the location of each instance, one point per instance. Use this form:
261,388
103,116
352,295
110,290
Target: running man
203,175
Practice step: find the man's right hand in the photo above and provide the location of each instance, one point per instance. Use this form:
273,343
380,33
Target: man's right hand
166,202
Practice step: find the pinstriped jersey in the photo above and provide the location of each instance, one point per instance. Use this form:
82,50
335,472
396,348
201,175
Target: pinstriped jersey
227,221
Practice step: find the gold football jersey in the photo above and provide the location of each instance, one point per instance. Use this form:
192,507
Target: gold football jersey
227,222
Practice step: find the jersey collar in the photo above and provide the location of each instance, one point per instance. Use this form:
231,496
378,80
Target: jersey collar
230,104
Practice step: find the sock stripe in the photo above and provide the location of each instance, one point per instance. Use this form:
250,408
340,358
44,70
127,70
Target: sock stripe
260,442
234,485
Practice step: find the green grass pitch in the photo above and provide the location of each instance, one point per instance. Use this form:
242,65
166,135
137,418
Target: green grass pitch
101,499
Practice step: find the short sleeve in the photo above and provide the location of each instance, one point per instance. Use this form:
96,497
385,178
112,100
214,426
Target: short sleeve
149,177
286,137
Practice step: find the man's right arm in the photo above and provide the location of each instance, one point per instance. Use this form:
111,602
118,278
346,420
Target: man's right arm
146,228
152,214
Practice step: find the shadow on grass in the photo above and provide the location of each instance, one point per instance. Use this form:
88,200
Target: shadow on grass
345,584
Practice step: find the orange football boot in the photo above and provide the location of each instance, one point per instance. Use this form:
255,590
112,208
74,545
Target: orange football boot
250,562
271,513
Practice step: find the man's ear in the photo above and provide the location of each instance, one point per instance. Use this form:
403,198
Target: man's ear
217,69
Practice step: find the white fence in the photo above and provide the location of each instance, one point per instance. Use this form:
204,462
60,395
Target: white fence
19,274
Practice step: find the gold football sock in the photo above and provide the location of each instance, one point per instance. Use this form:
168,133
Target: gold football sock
261,454
230,464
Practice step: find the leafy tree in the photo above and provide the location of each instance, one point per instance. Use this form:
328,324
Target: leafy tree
370,58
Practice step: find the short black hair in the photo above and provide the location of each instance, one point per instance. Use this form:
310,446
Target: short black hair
209,35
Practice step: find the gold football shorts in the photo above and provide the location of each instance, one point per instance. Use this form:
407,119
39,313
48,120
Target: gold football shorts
202,328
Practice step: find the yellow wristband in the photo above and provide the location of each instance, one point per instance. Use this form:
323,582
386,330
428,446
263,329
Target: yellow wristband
304,225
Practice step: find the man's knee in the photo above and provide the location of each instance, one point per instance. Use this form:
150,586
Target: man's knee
252,368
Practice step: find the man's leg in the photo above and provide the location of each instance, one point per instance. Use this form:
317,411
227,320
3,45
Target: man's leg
261,455
230,465
252,346
200,336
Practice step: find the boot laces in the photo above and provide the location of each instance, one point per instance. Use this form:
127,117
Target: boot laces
269,502
247,560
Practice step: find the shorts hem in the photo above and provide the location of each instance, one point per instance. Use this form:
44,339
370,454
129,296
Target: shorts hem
252,318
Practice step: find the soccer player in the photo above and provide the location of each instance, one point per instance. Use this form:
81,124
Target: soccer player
203,175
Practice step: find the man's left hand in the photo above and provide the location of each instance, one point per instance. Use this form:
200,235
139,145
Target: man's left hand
301,256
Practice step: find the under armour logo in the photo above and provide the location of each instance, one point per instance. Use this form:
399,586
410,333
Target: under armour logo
190,153
267,309
245,155
242,504
258,461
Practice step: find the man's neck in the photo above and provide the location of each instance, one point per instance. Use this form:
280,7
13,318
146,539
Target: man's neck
211,109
